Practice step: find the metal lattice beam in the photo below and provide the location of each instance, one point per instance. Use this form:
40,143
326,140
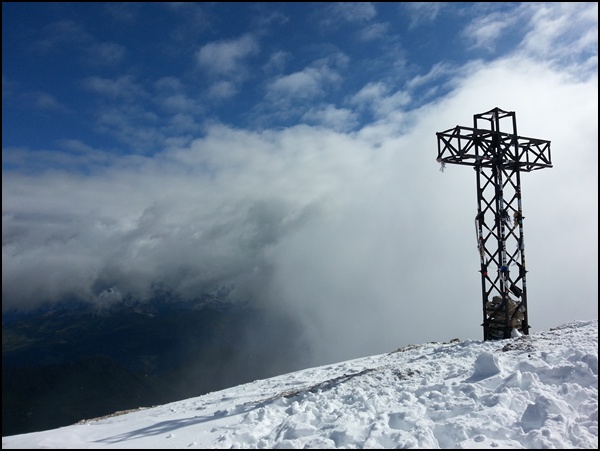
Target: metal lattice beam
498,158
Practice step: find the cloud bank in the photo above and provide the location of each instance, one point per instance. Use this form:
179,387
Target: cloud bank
336,229
334,224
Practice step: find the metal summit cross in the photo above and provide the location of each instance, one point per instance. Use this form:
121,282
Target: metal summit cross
498,159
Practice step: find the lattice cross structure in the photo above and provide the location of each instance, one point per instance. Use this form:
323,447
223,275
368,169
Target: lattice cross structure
498,158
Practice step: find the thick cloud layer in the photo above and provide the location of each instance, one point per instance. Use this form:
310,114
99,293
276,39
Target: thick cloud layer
337,230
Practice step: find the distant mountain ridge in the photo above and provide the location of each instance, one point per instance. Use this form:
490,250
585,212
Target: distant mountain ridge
69,331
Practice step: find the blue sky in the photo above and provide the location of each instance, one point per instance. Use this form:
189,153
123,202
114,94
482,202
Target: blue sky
133,77
288,150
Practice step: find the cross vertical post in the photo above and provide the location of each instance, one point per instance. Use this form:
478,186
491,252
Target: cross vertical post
498,158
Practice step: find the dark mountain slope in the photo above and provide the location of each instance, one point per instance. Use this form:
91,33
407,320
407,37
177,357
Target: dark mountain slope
63,365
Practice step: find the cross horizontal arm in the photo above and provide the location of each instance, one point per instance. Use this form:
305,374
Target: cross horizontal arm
487,148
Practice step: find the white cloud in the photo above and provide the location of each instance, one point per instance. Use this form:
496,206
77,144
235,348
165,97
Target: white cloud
422,12
353,11
376,98
555,31
227,58
338,228
332,16
484,32
122,87
222,90
370,93
171,95
277,62
439,70
79,155
374,31
178,102
311,82
134,125
46,101
304,84
338,119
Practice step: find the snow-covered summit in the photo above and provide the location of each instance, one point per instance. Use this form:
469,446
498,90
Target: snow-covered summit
535,391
